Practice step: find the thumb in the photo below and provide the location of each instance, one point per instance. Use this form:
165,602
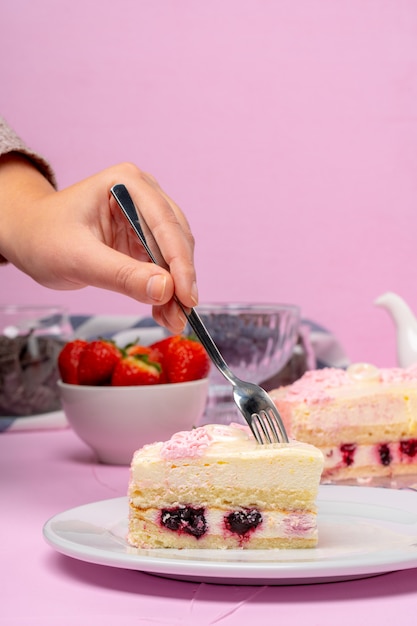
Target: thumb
103,267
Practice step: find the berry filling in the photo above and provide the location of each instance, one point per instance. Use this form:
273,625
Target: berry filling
185,519
243,521
409,447
384,454
348,453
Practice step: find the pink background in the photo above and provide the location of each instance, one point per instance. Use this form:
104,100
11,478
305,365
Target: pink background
287,131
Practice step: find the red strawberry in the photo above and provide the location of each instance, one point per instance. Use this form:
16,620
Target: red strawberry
136,370
160,349
137,349
153,355
185,359
97,362
68,360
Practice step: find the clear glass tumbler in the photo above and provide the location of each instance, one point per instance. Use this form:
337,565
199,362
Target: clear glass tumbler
255,340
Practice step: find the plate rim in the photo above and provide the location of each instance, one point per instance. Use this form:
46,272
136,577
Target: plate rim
259,572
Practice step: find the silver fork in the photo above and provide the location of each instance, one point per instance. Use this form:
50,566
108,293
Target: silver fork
254,403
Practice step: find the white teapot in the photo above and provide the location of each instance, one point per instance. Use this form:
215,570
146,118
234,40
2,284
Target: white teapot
406,327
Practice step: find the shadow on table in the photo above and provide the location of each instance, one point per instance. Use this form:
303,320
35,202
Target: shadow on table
132,581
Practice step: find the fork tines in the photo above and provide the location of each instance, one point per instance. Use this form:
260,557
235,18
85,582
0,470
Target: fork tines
266,428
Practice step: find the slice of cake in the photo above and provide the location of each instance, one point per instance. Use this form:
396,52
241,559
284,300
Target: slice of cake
363,419
216,487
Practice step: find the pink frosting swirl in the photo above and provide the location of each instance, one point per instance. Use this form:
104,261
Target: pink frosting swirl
315,385
187,443
398,375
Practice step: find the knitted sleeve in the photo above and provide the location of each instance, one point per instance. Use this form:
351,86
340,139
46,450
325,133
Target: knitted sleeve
11,142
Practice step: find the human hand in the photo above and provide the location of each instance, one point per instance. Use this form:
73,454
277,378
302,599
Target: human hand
78,236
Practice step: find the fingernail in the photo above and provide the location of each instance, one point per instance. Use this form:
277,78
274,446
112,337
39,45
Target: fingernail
194,293
155,288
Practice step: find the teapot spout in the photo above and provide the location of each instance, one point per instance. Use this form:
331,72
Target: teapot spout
406,327
394,304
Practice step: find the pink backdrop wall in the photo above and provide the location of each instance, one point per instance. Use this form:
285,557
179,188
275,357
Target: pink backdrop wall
287,131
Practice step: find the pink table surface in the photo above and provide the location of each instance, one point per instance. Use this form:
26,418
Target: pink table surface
45,472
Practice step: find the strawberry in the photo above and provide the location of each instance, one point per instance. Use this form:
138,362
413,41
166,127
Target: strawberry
153,355
97,362
68,360
136,349
160,349
136,370
185,359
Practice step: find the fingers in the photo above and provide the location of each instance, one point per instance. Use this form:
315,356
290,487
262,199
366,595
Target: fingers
170,229
100,266
171,316
143,281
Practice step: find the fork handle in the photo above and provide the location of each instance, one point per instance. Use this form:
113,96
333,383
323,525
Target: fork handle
204,336
139,225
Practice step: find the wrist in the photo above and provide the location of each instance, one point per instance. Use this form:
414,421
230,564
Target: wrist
21,186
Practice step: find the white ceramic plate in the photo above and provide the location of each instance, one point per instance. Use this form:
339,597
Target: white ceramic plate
362,532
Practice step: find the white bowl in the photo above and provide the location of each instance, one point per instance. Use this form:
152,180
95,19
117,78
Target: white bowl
116,421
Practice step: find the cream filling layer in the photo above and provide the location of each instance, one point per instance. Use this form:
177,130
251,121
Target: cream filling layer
275,524
362,456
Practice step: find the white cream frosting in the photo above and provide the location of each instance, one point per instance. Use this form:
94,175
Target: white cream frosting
218,453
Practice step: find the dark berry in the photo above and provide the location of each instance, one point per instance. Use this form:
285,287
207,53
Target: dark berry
348,452
409,447
384,454
241,522
185,519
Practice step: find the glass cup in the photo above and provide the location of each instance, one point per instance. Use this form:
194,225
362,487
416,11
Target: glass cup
31,338
255,340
